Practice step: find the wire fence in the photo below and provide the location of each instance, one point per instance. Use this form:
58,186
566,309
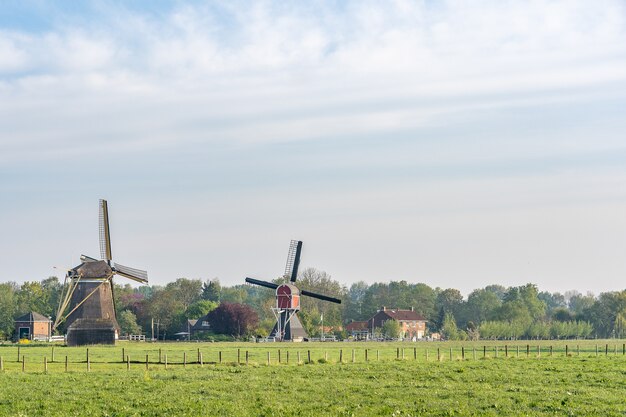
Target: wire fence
61,358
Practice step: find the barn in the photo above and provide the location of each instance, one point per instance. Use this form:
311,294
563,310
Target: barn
33,326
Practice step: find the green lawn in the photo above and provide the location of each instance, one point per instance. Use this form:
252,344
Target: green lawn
578,384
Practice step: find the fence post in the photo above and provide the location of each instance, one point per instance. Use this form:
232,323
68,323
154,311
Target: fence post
185,359
450,353
298,357
146,361
366,355
287,357
616,348
462,352
577,350
606,350
566,351
18,353
550,350
279,356
624,349
1,363
527,350
596,351
517,351
238,356
426,354
123,354
397,353
52,353
309,355
506,351
246,357
439,354
65,363
268,358
128,362
415,353
45,364
88,363
159,355
198,355
165,361
220,356
201,361
340,355
377,354
495,349
484,351
326,355
353,354
23,363
539,350
474,352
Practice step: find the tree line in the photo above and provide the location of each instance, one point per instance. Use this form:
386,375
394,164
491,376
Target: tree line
492,312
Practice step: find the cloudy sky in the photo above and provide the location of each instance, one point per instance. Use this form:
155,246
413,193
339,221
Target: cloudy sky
458,143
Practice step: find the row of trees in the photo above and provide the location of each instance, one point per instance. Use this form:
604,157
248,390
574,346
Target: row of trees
490,312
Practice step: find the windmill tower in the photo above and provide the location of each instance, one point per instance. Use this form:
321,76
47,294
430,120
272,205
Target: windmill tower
288,326
87,299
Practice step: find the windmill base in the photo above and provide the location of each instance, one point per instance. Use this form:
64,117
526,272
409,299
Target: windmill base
294,332
91,332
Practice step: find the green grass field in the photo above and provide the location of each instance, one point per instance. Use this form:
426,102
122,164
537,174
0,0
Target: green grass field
537,383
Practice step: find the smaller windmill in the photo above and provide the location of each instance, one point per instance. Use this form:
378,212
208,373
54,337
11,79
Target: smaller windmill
86,305
288,326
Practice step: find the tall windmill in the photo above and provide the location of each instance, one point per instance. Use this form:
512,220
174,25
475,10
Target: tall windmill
86,305
288,326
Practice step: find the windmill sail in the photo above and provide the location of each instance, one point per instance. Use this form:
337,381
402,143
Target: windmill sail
105,234
132,273
293,260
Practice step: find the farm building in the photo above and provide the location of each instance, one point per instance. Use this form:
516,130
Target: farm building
358,330
33,326
412,325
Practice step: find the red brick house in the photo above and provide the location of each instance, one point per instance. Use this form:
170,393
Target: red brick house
33,326
412,324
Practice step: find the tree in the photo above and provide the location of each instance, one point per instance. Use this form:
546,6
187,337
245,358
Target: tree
233,319
200,309
449,329
212,290
128,322
482,305
8,306
391,329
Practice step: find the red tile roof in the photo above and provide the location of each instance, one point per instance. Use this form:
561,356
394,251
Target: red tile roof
403,315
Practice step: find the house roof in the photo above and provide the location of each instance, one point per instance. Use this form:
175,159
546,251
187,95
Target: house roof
32,317
199,324
356,326
403,315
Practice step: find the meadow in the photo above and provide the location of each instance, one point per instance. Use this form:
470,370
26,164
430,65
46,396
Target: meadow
394,379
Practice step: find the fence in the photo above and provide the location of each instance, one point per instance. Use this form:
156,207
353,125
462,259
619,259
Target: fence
60,358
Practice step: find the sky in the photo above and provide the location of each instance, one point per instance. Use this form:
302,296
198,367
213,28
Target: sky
455,143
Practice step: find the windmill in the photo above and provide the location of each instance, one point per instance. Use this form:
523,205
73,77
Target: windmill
86,305
288,326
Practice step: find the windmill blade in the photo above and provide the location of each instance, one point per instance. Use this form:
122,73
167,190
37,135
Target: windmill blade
293,260
131,273
262,283
85,258
320,296
105,235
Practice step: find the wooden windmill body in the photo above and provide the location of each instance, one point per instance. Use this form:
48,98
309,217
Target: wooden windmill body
87,308
288,327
